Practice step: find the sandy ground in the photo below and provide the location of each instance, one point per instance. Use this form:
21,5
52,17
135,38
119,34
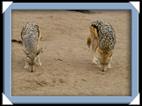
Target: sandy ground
67,67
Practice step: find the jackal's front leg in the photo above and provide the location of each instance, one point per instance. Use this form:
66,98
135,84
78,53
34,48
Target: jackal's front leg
37,61
26,66
95,60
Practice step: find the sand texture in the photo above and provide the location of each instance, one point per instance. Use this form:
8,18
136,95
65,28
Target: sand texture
67,67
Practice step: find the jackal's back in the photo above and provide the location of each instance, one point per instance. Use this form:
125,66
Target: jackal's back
106,35
30,36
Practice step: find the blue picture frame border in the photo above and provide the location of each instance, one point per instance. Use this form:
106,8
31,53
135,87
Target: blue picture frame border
71,99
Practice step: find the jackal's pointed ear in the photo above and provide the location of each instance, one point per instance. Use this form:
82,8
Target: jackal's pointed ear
38,30
89,41
37,26
22,33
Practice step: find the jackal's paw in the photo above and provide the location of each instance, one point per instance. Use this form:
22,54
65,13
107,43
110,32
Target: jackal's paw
38,63
109,66
26,66
95,60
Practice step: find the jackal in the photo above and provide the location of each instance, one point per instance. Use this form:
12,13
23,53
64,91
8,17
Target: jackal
102,40
30,36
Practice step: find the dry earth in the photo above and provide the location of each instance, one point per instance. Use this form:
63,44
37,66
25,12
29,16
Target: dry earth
67,67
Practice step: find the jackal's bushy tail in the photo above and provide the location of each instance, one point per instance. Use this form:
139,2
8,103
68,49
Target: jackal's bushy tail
16,41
